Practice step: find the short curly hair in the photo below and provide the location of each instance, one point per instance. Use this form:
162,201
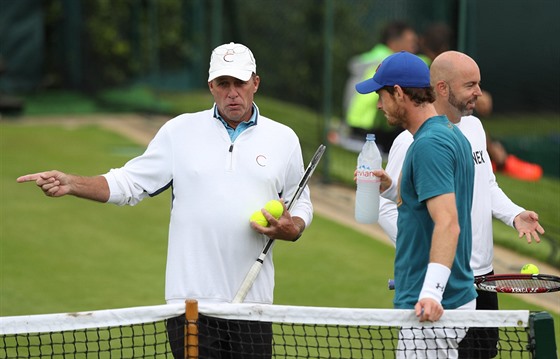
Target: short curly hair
416,94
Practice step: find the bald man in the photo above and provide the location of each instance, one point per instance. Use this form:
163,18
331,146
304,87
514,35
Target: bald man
455,78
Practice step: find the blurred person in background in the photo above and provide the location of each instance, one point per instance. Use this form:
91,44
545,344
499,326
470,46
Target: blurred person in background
221,164
502,161
360,112
438,38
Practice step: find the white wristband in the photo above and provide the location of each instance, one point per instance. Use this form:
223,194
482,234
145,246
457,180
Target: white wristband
435,281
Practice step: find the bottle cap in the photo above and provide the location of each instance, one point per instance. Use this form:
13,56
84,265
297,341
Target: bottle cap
370,137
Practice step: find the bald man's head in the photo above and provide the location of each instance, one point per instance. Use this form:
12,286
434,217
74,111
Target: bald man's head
451,64
455,78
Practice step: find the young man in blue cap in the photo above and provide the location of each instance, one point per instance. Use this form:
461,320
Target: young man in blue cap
434,197
456,79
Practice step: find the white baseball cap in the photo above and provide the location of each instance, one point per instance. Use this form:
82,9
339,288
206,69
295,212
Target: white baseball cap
232,60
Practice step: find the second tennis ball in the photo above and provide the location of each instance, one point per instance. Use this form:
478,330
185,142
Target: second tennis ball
275,208
529,269
258,217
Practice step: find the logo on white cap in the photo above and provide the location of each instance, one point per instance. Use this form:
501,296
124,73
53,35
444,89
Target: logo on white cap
232,60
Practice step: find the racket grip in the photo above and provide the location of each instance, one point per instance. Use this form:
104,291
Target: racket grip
248,282
391,284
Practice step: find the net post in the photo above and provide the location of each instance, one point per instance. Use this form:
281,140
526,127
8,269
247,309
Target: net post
191,329
543,342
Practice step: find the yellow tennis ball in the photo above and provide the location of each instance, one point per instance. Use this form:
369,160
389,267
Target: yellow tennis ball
275,208
258,217
529,269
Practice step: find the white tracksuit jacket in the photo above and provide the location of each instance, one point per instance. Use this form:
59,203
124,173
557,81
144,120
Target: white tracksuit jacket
216,186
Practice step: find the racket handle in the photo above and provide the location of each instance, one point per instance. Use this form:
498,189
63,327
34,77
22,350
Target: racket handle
391,284
248,281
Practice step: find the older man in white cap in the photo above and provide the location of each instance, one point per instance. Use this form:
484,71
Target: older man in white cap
222,164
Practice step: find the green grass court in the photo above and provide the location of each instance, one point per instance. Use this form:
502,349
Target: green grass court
67,254
538,133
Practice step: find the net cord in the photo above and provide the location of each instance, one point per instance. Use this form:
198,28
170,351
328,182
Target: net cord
363,316
259,312
44,323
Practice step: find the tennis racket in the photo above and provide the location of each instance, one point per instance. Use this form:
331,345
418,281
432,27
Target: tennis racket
513,283
518,283
256,268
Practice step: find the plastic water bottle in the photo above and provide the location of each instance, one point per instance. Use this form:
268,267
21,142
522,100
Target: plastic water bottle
367,191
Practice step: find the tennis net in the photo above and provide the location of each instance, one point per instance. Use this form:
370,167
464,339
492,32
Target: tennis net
265,331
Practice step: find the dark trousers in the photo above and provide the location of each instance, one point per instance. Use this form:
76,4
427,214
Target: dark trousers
481,342
223,339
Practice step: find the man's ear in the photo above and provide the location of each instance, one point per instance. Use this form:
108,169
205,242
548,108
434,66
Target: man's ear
398,93
442,88
257,81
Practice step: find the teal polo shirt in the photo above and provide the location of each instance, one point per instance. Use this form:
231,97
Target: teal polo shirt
439,161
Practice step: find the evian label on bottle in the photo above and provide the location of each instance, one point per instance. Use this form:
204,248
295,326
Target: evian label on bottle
365,174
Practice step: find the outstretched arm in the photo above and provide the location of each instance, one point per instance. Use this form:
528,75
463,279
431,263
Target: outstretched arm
58,184
526,222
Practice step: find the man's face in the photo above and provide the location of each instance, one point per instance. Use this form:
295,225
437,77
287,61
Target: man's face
395,114
234,97
464,90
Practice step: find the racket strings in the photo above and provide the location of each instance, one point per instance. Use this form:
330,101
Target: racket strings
529,285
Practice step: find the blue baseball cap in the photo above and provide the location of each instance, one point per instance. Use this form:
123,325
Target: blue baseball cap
401,68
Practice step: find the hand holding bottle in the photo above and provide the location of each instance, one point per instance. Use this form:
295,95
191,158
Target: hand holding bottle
367,184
